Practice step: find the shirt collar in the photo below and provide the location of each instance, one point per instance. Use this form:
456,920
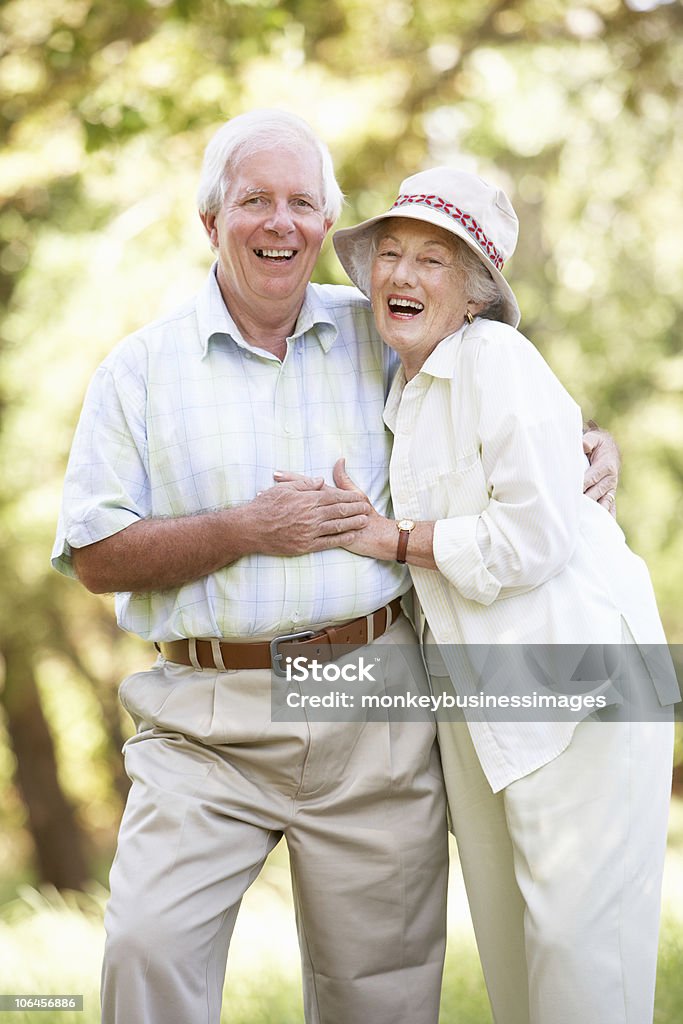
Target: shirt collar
214,319
442,361
439,363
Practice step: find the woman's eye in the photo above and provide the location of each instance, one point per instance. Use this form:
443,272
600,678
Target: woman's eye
385,253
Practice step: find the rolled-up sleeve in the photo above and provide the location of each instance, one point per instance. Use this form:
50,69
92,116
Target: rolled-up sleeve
529,431
459,557
106,487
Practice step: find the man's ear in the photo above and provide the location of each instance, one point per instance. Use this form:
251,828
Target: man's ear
209,222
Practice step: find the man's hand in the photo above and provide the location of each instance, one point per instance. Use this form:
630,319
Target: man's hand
367,531
602,476
300,515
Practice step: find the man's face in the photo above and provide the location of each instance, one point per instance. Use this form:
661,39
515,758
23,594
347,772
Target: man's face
270,227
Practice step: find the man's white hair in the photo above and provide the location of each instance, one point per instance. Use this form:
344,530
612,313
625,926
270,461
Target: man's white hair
250,133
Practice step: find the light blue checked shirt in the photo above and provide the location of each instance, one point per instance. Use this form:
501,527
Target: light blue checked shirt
185,415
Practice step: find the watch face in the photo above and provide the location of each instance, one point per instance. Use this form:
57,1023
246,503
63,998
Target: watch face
405,524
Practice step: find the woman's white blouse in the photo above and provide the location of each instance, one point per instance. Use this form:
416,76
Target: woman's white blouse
487,443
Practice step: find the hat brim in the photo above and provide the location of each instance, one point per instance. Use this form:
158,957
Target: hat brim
348,243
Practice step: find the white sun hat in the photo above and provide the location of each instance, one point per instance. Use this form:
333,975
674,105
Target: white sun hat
478,213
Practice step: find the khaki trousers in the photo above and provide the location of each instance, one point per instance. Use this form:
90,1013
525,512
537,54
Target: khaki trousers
216,784
563,871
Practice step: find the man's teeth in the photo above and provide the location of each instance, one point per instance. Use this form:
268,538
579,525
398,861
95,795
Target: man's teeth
406,304
285,254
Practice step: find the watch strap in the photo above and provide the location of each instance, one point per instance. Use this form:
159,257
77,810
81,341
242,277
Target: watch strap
402,547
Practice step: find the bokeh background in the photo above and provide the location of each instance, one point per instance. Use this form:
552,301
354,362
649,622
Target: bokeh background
105,107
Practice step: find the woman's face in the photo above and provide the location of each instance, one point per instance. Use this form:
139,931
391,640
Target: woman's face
417,291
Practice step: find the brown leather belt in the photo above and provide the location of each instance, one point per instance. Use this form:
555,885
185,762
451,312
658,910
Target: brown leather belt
323,646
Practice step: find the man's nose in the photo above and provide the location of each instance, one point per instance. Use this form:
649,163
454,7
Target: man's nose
279,219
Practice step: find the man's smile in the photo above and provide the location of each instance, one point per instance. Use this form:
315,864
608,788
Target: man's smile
275,254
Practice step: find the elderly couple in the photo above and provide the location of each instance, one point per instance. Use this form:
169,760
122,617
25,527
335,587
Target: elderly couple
207,488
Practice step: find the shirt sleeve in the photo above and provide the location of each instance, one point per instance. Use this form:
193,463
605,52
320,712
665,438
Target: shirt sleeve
532,456
106,487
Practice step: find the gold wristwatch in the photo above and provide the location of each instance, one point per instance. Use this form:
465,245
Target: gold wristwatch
405,528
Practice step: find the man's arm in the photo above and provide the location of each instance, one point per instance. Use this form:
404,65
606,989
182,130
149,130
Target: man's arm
160,554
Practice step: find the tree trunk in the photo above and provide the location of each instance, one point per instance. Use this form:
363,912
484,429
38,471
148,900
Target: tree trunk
59,842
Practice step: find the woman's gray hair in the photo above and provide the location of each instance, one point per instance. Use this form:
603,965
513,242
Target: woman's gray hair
478,283
254,131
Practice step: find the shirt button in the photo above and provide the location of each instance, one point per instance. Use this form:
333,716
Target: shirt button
247,355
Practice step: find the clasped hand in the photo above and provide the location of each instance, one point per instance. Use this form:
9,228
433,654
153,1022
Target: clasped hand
303,514
347,517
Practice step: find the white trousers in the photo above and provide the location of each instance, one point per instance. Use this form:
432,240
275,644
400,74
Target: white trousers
563,871
216,784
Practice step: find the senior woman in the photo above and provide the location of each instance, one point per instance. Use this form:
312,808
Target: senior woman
560,823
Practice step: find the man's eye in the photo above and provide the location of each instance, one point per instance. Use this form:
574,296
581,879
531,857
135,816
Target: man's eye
254,200
303,203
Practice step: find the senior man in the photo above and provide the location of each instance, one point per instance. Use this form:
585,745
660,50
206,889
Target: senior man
170,503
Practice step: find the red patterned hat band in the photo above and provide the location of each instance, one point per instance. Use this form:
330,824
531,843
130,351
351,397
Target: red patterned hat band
461,216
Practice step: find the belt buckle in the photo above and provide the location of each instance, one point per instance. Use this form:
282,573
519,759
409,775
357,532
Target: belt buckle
276,657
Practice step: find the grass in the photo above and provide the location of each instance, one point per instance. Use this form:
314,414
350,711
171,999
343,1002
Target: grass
52,943
669,998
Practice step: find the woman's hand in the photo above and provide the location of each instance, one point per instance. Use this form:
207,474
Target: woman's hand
379,537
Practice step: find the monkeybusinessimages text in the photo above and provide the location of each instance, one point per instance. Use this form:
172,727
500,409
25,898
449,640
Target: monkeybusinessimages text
301,670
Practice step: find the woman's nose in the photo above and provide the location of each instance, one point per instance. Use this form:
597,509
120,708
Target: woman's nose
404,272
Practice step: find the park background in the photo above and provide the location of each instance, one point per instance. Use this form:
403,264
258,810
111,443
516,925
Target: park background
575,108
